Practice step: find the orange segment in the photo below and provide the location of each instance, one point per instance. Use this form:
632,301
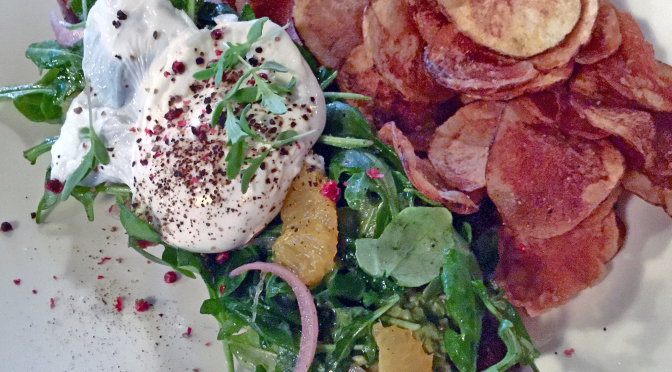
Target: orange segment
307,245
399,351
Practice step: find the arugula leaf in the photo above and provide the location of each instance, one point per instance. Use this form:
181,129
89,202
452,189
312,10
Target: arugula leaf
78,175
86,196
48,201
511,330
232,126
247,14
207,73
464,309
34,152
247,348
49,54
410,248
137,227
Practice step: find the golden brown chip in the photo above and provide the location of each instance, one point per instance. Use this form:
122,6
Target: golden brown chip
460,64
632,71
330,29
562,53
540,274
649,189
397,47
459,148
540,82
427,17
518,28
543,182
422,174
635,127
417,120
605,39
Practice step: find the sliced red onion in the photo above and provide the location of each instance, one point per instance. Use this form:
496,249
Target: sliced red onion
64,36
309,325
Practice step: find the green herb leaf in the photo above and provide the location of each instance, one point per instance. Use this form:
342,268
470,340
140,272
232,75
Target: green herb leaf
98,149
247,14
269,98
411,247
78,175
464,309
48,201
34,152
235,159
87,196
206,74
288,137
217,113
137,227
232,125
49,54
247,173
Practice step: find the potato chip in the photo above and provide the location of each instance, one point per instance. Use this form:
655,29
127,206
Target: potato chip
540,274
633,71
329,29
649,189
427,17
460,64
417,120
422,174
397,47
543,182
563,53
459,148
605,39
540,82
518,28
635,127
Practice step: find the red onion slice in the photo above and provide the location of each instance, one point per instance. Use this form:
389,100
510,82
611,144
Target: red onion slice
309,324
64,36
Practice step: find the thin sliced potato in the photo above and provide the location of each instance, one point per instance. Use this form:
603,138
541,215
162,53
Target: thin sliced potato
543,182
330,29
563,53
460,64
518,28
422,174
605,39
397,47
540,274
459,147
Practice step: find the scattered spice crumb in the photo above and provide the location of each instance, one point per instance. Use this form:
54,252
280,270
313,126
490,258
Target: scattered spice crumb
187,334
6,226
373,173
170,277
55,277
118,304
149,262
207,344
33,215
113,228
17,281
52,303
605,329
34,291
569,352
104,259
100,277
141,305
119,260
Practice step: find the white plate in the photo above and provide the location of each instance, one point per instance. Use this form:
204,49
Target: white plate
83,332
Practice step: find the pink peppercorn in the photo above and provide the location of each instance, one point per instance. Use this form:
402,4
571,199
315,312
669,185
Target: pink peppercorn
331,191
222,257
17,281
54,186
170,277
6,226
118,304
141,306
178,68
52,303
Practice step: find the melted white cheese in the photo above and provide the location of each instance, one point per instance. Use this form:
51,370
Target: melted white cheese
156,116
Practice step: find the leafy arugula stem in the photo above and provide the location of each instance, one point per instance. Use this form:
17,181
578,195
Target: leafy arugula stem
344,142
228,355
340,95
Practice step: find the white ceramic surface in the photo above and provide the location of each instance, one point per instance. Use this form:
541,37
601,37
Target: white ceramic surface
623,324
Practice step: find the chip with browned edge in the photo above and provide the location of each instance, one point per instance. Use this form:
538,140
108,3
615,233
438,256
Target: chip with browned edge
543,182
459,148
518,28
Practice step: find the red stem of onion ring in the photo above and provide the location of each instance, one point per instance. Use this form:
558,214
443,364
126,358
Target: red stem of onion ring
64,36
309,324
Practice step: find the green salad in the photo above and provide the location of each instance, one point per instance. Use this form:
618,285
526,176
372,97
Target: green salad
402,260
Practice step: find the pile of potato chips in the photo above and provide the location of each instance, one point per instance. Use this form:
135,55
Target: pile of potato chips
548,108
